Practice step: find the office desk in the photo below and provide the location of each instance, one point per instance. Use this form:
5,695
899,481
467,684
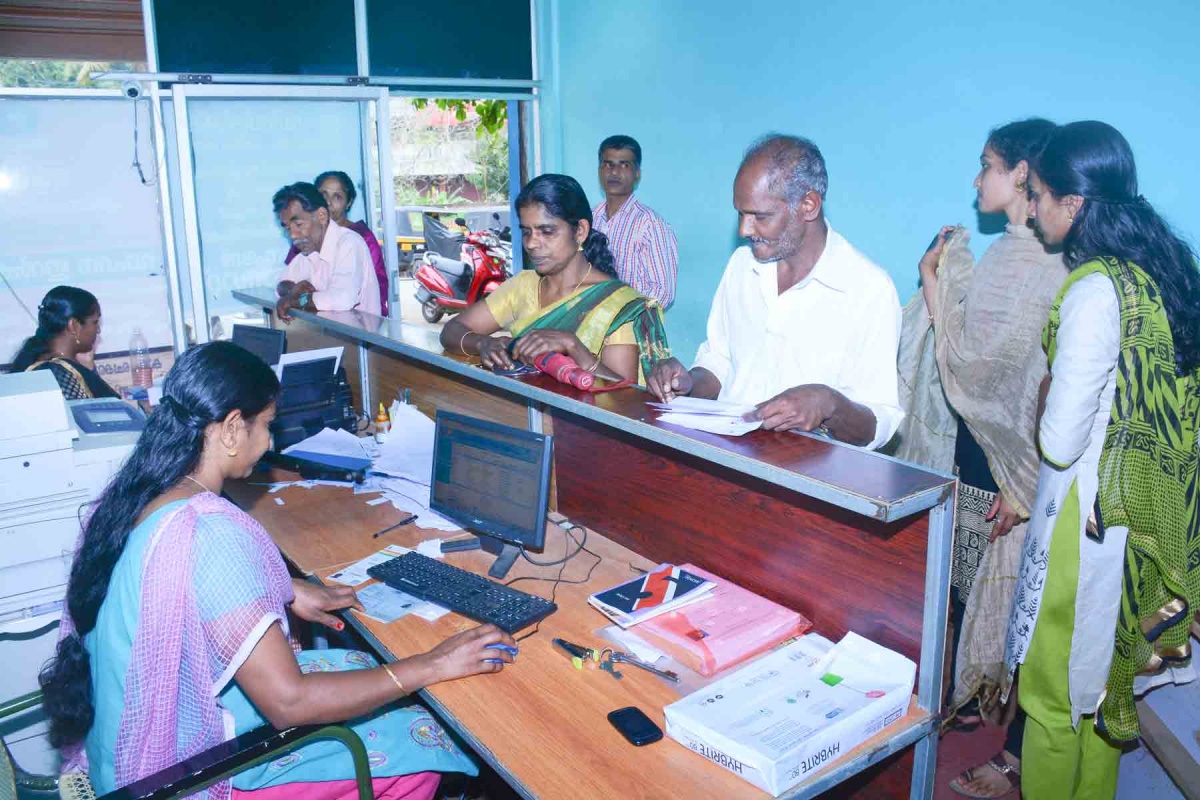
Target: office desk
540,723
851,539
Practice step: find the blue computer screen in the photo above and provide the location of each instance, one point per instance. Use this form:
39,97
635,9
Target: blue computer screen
493,479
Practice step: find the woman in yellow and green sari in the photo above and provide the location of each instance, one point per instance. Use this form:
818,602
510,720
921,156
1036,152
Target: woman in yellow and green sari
570,302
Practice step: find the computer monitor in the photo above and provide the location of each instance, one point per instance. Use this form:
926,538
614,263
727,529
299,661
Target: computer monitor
266,343
493,480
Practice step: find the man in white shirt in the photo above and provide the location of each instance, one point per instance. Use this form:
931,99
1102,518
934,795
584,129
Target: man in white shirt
803,326
333,270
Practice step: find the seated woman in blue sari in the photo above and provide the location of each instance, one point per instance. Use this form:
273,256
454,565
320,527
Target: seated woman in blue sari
570,302
175,636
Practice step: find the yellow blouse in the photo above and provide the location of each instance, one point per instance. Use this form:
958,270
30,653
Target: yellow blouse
517,298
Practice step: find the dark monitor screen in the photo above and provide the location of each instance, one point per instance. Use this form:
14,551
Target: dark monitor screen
492,478
266,343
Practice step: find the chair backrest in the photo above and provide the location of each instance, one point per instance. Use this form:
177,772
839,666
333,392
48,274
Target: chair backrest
8,776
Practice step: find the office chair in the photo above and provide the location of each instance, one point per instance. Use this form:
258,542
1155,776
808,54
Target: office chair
191,775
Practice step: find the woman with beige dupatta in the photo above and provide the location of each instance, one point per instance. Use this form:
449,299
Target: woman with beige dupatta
983,325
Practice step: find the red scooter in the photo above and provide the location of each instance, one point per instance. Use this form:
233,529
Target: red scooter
449,281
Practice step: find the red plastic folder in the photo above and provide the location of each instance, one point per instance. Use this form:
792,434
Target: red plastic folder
726,628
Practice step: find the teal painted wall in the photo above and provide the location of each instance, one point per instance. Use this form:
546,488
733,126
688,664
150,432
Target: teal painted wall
899,96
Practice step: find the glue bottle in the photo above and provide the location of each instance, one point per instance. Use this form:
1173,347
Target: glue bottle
383,424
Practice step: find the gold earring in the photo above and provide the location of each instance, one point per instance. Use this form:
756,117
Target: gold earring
581,247
1070,217
232,453
1020,187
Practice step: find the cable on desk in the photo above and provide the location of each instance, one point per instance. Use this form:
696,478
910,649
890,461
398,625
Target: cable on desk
564,559
563,562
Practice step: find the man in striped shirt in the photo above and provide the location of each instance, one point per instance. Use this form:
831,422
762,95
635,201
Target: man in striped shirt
642,241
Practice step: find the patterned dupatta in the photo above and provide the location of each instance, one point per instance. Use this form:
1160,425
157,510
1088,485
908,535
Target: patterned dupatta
77,385
600,310
180,659
1147,483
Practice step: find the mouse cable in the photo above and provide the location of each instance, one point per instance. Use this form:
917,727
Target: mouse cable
559,579
571,526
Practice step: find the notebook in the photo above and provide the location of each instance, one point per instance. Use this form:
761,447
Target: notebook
660,590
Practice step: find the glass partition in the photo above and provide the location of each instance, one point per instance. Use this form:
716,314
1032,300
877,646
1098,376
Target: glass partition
239,145
77,213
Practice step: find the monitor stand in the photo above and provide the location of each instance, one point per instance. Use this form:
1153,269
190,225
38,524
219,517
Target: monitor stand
506,554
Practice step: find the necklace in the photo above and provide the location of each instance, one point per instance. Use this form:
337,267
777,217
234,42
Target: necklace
198,483
581,280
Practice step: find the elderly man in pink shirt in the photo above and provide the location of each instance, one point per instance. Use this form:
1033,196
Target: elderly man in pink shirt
333,271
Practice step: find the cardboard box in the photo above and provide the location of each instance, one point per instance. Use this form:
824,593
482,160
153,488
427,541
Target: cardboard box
782,718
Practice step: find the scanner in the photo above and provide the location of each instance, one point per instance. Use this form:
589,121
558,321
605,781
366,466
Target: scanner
311,397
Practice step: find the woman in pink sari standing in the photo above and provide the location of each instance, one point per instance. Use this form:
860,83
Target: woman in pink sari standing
176,635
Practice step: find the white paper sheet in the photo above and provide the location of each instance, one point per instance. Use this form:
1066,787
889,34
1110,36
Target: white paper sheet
386,604
430,612
633,643
698,405
331,443
408,451
309,355
726,426
431,548
356,573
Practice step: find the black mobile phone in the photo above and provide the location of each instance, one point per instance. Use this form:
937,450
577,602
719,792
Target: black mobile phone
635,726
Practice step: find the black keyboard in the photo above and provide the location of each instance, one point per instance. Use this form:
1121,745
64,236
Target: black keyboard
465,592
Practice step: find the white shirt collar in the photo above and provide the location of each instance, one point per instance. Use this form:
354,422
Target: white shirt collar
825,271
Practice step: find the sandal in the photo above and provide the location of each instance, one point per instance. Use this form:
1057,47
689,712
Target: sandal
997,764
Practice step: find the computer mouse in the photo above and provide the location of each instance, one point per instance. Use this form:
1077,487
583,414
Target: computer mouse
512,651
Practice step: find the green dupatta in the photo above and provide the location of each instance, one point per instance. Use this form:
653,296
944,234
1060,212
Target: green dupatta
1147,484
597,312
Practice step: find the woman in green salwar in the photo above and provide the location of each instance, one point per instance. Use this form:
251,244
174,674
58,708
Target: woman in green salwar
1110,573
570,302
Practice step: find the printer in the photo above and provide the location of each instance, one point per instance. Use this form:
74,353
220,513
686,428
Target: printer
55,458
312,396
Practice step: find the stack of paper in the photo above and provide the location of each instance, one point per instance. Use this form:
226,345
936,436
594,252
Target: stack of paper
408,451
712,416
379,600
401,470
664,588
334,447
784,717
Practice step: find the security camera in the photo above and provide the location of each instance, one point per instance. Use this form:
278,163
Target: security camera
131,89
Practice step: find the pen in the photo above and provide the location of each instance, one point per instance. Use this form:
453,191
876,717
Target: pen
399,524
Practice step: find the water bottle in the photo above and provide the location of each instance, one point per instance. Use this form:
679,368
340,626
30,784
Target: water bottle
141,373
